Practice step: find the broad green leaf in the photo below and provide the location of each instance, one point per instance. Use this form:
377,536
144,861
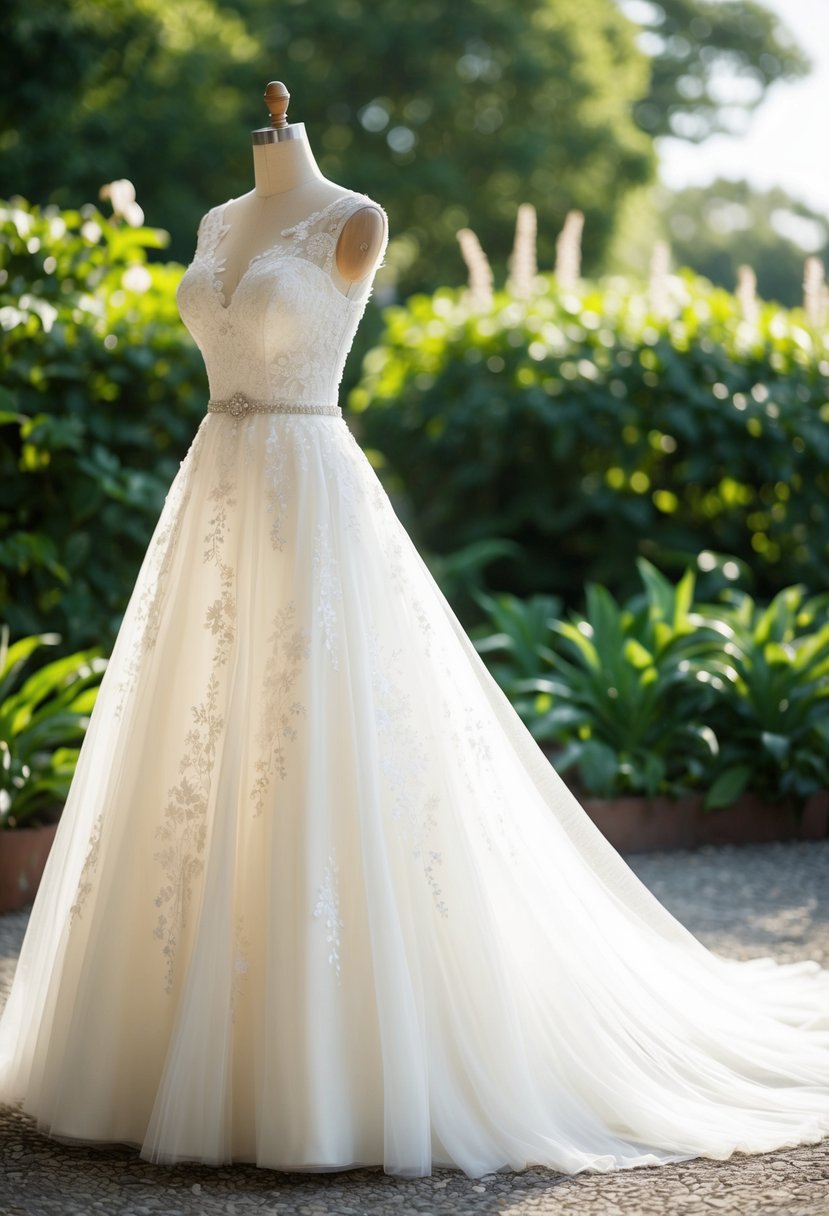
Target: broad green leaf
727,787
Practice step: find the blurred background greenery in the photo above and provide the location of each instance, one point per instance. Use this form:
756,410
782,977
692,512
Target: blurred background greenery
649,386
452,119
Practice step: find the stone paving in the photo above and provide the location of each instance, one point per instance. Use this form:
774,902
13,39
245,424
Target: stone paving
744,902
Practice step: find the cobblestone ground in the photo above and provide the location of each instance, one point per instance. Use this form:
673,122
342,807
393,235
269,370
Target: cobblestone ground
743,902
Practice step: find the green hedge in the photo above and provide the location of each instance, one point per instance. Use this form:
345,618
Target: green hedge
102,389
593,431
555,440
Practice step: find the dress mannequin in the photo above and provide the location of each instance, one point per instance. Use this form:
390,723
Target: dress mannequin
288,188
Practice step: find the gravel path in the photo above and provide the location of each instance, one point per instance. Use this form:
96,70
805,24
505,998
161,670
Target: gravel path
759,899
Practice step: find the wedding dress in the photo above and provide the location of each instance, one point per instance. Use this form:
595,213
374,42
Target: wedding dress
316,899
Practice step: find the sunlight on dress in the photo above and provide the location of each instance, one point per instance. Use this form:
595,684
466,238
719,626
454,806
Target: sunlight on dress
317,899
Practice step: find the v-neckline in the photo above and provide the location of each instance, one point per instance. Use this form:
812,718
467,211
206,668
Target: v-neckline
224,228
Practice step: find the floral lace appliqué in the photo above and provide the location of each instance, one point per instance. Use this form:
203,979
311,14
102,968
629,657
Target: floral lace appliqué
286,329
143,622
241,964
288,440
470,736
319,232
289,648
89,865
156,569
328,907
183,831
404,758
329,590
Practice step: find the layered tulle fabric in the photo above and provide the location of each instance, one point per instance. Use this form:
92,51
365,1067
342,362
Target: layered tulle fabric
317,899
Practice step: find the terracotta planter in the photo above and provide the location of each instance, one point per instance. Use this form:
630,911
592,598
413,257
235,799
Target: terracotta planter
643,825
23,854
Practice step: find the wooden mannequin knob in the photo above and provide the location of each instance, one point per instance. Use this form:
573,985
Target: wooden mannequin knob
276,99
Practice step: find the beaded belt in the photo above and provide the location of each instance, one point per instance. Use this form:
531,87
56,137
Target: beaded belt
239,405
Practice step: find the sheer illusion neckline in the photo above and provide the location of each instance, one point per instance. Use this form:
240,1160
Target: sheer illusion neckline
297,230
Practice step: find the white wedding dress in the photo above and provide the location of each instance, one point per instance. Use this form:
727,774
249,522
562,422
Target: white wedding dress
316,899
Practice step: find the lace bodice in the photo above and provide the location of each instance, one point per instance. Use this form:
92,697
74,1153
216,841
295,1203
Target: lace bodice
285,332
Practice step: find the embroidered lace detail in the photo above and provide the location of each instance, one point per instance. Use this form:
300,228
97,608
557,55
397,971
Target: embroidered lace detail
285,332
141,621
304,227
320,238
328,906
155,571
404,759
290,438
345,456
470,737
399,553
329,590
276,487
211,230
89,865
183,831
290,647
241,964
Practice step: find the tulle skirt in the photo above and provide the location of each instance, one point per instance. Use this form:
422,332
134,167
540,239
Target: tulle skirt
317,900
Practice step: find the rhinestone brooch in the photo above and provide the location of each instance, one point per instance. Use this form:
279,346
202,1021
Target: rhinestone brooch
238,405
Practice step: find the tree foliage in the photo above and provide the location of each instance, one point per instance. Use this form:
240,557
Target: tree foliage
714,229
697,46
449,120
97,90
717,228
461,114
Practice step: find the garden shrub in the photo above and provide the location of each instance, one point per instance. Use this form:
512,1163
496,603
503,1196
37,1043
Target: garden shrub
102,390
668,694
593,428
44,715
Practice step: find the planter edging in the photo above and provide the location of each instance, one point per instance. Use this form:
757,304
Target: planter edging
23,856
641,824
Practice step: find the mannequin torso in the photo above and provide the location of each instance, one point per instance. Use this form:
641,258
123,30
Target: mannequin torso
289,188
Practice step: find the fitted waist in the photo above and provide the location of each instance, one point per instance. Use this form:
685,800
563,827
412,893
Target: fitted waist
239,405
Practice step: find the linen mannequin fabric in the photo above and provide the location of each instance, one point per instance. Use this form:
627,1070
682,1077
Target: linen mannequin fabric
316,899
